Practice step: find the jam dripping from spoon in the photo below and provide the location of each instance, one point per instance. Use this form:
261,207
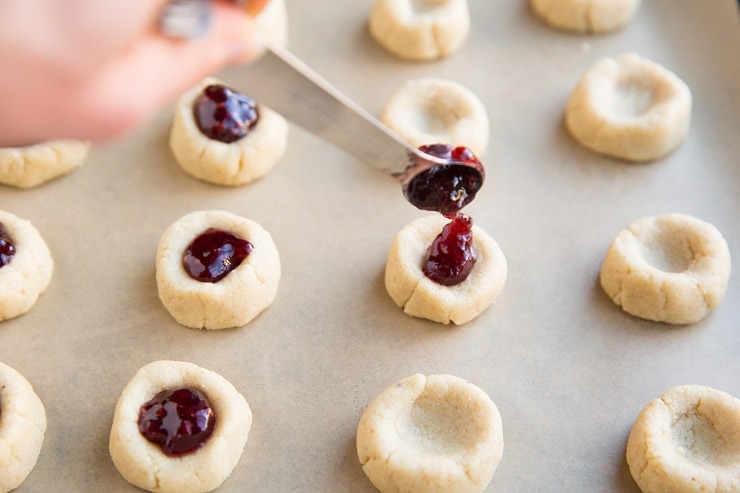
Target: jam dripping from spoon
451,256
447,188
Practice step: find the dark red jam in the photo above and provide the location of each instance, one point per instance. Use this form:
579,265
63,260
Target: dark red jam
224,114
7,248
213,254
179,421
451,256
446,188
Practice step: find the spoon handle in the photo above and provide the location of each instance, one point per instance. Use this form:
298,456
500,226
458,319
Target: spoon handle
283,82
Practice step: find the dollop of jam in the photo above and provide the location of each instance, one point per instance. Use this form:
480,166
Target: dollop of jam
213,254
7,247
451,256
179,421
224,114
446,188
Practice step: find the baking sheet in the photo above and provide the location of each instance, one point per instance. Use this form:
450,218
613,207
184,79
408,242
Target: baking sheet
568,370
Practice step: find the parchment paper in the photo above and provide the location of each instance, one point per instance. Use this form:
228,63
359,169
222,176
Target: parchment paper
568,370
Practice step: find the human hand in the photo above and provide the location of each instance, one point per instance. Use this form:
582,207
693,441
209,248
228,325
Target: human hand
94,69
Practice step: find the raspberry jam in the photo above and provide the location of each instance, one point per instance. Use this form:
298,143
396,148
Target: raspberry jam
451,256
446,188
213,254
7,247
224,114
179,421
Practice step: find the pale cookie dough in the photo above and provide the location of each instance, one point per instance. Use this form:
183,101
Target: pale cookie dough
273,22
420,30
437,111
234,300
586,16
232,164
28,273
629,108
143,463
687,441
421,297
22,428
31,166
672,268
430,434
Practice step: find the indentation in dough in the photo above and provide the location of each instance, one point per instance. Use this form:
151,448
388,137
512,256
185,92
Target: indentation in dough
419,296
145,465
687,441
434,118
26,277
672,268
438,426
227,164
667,250
630,108
632,97
436,434
237,298
696,435
438,111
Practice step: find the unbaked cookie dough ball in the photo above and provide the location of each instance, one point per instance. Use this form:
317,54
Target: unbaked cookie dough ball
420,30
429,434
31,166
419,296
178,428
629,108
586,16
22,428
430,110
672,268
26,265
222,136
216,270
273,22
687,441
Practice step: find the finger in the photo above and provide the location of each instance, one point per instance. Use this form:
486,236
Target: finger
156,70
84,34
